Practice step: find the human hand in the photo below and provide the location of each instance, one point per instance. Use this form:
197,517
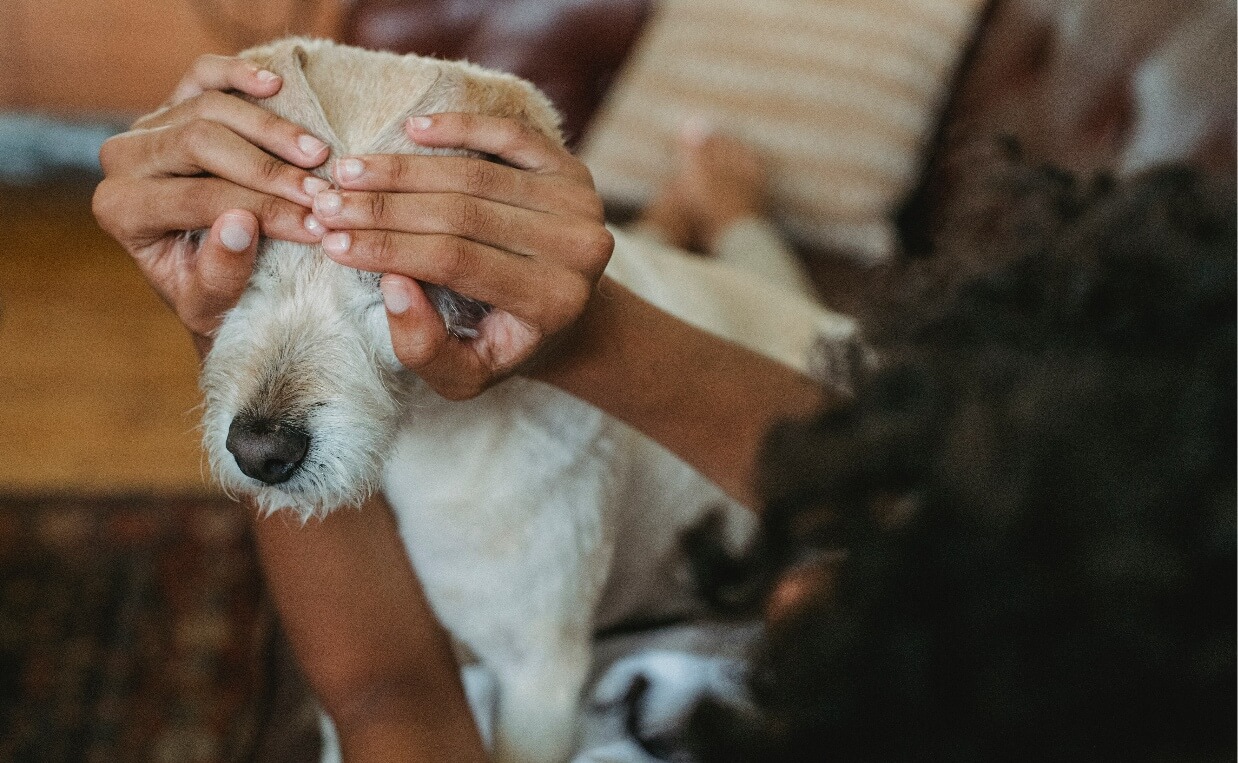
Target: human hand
208,159
527,237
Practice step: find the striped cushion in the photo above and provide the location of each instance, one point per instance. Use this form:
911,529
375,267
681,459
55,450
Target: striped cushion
839,95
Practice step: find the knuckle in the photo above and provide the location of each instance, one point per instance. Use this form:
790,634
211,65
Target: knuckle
464,215
396,170
114,207
194,134
455,258
585,174
461,122
513,133
577,292
109,153
270,123
208,103
478,176
597,247
603,242
269,168
378,207
103,206
381,246
579,172
270,209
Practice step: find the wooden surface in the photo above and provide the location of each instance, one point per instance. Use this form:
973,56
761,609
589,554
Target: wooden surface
98,382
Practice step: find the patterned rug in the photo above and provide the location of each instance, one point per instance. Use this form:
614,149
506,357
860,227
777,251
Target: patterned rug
128,629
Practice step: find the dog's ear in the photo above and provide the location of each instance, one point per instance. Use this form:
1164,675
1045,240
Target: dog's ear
460,86
436,95
296,100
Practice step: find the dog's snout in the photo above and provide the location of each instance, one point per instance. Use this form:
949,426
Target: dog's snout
268,451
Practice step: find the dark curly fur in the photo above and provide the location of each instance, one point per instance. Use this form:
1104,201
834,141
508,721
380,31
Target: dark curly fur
1054,424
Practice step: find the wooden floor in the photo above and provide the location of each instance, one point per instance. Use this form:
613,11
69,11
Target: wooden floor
98,387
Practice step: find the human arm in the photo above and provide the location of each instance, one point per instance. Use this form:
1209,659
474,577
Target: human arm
366,638
708,400
349,600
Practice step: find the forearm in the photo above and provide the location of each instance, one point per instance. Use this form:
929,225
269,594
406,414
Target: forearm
366,637
707,400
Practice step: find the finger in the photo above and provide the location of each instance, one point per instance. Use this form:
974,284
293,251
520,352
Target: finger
512,140
412,173
212,72
255,124
538,292
211,148
225,261
140,212
521,231
421,342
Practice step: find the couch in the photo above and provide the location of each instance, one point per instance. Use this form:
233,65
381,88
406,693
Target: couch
1068,80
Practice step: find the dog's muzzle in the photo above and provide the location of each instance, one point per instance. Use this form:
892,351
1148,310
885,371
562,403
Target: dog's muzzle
268,451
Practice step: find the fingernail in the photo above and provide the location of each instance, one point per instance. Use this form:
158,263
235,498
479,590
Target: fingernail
310,146
314,226
420,123
328,203
337,242
395,297
235,236
262,75
314,185
349,169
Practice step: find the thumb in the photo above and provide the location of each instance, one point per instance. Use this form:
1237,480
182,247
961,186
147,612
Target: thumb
418,335
421,342
225,260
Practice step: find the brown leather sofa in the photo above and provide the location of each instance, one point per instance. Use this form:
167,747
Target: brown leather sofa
1073,105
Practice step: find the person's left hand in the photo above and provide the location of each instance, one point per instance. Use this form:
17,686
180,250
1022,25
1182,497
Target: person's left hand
527,237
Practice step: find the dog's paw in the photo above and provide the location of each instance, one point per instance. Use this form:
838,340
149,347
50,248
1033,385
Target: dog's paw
657,692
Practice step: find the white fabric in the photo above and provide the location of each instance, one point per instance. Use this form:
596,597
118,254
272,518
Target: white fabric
682,665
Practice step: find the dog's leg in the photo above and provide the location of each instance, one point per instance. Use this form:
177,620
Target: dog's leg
539,702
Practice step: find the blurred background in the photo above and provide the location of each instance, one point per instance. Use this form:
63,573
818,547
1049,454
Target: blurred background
129,596
98,386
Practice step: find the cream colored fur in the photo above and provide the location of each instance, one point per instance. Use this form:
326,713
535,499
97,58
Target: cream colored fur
532,519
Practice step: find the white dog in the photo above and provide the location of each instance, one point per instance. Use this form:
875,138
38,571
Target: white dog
532,519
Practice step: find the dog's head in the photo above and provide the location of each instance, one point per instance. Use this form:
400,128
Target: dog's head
303,391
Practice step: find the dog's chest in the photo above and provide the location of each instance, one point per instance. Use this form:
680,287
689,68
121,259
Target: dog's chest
524,499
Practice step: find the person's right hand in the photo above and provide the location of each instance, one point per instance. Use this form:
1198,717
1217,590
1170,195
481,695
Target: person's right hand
208,159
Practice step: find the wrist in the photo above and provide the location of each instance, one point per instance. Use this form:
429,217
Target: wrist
571,360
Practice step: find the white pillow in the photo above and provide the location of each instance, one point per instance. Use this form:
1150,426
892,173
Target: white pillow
841,97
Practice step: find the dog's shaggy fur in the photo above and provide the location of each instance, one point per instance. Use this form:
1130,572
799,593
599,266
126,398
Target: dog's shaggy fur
1033,499
315,364
532,519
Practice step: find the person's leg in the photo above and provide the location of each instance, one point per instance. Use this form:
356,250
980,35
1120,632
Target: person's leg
715,204
752,243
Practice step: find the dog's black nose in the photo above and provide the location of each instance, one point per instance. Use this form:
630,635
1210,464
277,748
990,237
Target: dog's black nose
268,451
